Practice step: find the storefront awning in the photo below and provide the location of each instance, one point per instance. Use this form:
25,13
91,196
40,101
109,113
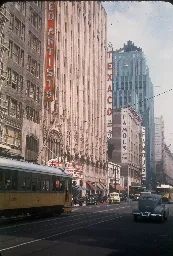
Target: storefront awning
91,186
118,187
99,186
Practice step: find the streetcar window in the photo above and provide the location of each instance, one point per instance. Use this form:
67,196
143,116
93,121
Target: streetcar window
45,185
14,180
7,179
23,183
35,184
62,185
28,183
57,184
1,179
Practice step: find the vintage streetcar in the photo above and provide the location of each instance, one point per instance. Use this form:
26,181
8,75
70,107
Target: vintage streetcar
151,207
27,188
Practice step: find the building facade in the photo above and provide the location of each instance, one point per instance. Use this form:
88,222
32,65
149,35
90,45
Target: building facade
75,111
159,148
126,138
167,166
132,85
21,91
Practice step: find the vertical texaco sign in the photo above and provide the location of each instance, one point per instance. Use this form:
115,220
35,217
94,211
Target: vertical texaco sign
109,92
143,155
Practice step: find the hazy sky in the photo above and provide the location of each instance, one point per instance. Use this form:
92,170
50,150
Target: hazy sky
150,26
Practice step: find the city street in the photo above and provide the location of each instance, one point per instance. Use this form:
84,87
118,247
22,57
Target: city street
90,230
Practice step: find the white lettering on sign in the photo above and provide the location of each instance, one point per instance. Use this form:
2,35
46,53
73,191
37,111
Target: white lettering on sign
109,93
124,136
143,155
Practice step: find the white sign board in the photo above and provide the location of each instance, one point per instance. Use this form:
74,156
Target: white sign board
124,136
109,93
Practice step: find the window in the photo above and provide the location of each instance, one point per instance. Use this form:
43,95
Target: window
22,32
29,63
14,79
1,180
20,84
10,49
17,27
66,27
38,70
22,58
16,53
35,184
14,180
11,21
28,183
45,185
7,180
37,94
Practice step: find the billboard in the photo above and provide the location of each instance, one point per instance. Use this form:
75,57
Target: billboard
50,51
109,93
124,136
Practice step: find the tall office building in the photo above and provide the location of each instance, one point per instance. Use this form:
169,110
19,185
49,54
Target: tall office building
132,85
22,66
75,103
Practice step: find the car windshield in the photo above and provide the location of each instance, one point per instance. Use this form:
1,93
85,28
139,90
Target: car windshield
114,194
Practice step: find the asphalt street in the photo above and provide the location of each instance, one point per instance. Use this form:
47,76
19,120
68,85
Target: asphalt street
105,230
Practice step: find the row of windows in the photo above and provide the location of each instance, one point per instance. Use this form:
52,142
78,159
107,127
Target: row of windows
26,181
32,115
14,108
17,27
33,67
35,19
12,136
14,80
34,43
16,53
32,91
20,6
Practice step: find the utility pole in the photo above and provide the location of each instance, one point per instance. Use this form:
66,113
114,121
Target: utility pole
114,171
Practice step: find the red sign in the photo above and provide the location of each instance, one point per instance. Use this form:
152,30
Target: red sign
50,51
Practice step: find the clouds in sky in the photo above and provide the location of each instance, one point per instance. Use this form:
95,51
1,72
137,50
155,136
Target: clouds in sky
150,26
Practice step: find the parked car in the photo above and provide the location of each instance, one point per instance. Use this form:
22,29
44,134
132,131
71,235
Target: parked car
91,200
151,207
114,198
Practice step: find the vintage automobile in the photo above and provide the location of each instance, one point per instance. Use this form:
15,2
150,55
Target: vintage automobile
151,207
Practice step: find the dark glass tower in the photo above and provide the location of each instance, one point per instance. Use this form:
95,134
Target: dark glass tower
132,85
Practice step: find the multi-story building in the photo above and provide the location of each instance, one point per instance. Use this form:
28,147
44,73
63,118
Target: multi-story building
159,147
75,105
167,166
4,18
126,138
132,85
21,91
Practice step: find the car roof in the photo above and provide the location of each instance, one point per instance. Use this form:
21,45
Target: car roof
152,195
31,167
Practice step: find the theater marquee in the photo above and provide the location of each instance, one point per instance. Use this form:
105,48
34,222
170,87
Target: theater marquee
50,51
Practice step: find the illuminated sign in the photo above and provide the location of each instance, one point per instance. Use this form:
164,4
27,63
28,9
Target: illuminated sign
50,51
109,94
124,136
